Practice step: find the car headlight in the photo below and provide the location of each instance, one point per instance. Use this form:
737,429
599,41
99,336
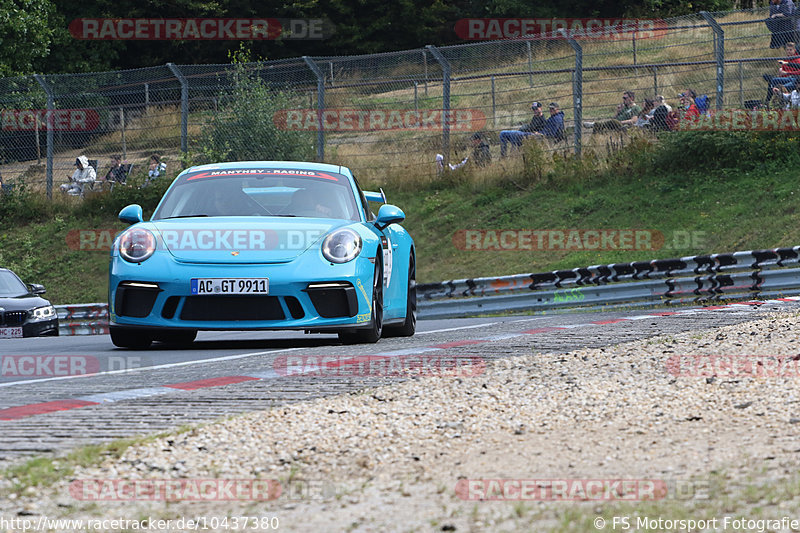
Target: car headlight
341,246
47,312
136,245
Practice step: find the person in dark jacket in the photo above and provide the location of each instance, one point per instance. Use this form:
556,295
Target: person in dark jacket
480,150
554,126
515,136
781,22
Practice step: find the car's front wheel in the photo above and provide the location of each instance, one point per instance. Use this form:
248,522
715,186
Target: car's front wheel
373,333
409,325
130,337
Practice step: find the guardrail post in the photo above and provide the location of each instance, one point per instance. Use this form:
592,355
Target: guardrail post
445,101
719,54
577,91
184,107
320,107
51,105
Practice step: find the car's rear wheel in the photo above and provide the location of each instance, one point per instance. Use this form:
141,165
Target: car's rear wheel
130,337
409,326
177,338
373,333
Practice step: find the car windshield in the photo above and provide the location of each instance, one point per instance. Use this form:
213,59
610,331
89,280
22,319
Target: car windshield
260,192
10,285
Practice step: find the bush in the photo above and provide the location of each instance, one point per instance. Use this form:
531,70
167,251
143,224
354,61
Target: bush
244,129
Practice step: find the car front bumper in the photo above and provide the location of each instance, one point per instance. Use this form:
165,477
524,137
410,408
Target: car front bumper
303,294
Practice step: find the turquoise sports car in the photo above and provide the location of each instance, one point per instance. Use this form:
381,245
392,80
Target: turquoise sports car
262,245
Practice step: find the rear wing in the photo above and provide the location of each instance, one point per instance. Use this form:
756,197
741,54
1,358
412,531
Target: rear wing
379,197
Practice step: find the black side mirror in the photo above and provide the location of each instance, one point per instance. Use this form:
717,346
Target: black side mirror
36,288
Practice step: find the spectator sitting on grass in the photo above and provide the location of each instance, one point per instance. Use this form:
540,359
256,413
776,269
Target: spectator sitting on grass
644,117
480,155
515,136
626,111
788,71
554,125
790,100
84,173
157,167
117,172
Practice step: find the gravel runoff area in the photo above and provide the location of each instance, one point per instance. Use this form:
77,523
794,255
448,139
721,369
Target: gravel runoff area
391,458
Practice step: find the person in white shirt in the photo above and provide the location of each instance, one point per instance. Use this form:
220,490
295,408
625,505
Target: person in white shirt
84,174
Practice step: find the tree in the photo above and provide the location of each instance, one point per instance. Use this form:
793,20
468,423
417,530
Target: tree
26,33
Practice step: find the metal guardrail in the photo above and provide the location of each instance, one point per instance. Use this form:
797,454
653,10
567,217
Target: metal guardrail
83,319
697,279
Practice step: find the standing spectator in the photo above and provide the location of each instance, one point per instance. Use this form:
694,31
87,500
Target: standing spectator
781,22
788,71
84,173
515,136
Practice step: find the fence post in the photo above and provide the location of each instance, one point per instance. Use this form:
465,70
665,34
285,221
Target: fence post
416,101
51,104
719,54
445,102
184,107
633,39
320,107
122,127
530,63
425,62
146,96
741,86
655,81
494,107
577,91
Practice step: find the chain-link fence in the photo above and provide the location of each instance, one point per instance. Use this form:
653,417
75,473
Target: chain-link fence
384,113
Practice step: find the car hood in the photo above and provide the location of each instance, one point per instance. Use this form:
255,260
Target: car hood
22,303
242,239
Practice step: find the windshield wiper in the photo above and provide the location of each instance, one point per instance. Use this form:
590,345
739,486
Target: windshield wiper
183,216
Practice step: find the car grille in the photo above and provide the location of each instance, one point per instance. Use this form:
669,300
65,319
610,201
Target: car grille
230,308
13,318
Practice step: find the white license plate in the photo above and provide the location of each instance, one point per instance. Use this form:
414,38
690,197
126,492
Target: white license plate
10,333
230,285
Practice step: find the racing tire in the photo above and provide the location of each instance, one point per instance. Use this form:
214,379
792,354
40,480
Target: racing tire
409,326
372,334
130,337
